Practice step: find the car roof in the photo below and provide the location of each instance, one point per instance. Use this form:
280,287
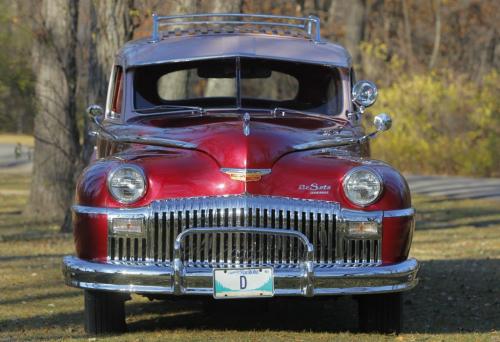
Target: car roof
191,46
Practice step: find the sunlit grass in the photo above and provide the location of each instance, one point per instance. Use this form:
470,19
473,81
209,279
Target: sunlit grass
458,297
23,139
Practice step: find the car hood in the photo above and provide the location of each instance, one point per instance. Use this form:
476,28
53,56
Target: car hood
232,141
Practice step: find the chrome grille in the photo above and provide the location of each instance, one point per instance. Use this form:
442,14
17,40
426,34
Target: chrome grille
317,220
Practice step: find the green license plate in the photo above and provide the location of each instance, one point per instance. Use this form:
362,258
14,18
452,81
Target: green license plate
243,282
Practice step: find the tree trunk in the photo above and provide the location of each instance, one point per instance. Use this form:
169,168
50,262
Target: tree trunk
408,34
57,148
112,26
437,34
215,86
355,29
176,85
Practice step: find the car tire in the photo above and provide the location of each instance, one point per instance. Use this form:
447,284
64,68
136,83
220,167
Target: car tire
382,313
104,312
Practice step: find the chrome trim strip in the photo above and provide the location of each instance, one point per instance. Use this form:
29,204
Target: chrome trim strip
83,209
151,278
152,141
324,143
399,212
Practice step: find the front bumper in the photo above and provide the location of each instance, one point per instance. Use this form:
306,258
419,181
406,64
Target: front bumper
288,281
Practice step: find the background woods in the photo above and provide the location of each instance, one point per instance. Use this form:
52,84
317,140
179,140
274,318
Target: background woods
436,63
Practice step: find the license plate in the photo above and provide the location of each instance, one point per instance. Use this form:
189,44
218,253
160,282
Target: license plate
243,283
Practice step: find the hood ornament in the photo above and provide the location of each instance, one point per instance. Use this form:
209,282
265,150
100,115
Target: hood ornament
245,175
246,124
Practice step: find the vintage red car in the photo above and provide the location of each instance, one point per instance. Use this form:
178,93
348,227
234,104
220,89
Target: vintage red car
231,163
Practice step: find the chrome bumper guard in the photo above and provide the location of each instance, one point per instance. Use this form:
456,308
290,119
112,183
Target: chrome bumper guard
178,278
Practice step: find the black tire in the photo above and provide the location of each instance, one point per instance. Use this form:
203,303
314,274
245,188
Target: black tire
104,312
382,313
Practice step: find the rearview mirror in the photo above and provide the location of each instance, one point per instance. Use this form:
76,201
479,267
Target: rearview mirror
95,111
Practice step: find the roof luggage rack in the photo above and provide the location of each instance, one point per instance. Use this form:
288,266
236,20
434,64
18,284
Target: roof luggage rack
307,26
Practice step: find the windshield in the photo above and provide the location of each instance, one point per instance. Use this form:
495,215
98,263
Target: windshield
239,83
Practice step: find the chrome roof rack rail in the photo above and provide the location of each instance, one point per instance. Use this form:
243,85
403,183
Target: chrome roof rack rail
309,25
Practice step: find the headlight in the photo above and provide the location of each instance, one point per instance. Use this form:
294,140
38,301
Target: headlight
362,186
127,183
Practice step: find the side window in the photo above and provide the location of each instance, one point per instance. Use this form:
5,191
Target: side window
115,94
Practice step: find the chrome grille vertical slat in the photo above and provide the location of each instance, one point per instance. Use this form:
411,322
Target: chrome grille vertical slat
363,252
356,251
321,238
300,225
275,224
189,224
290,225
246,247
253,240
174,223
269,238
240,222
221,215
261,238
330,231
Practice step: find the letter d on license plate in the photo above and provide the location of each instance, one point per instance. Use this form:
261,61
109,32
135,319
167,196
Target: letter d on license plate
243,282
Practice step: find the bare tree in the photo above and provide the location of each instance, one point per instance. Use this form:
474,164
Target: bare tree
355,29
175,86
112,25
220,86
57,147
437,34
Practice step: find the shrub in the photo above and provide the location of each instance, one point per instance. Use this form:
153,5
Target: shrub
443,124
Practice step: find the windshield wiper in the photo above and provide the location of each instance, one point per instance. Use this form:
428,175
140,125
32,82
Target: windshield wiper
170,109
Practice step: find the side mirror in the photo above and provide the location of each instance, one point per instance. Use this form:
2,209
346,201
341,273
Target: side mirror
364,93
382,122
94,111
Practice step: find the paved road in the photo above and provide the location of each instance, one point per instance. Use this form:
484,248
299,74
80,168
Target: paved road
455,187
8,160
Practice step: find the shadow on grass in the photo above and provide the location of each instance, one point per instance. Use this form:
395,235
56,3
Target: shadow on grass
30,257
294,314
453,296
430,217
51,295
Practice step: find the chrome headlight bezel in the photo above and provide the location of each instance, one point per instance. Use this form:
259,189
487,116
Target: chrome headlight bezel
349,176
134,168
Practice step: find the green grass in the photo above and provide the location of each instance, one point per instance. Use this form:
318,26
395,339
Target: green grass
23,139
458,297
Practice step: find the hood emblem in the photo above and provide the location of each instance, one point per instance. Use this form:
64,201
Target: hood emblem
246,175
246,124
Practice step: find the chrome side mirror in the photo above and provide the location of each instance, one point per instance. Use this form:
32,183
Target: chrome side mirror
364,93
382,122
94,111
